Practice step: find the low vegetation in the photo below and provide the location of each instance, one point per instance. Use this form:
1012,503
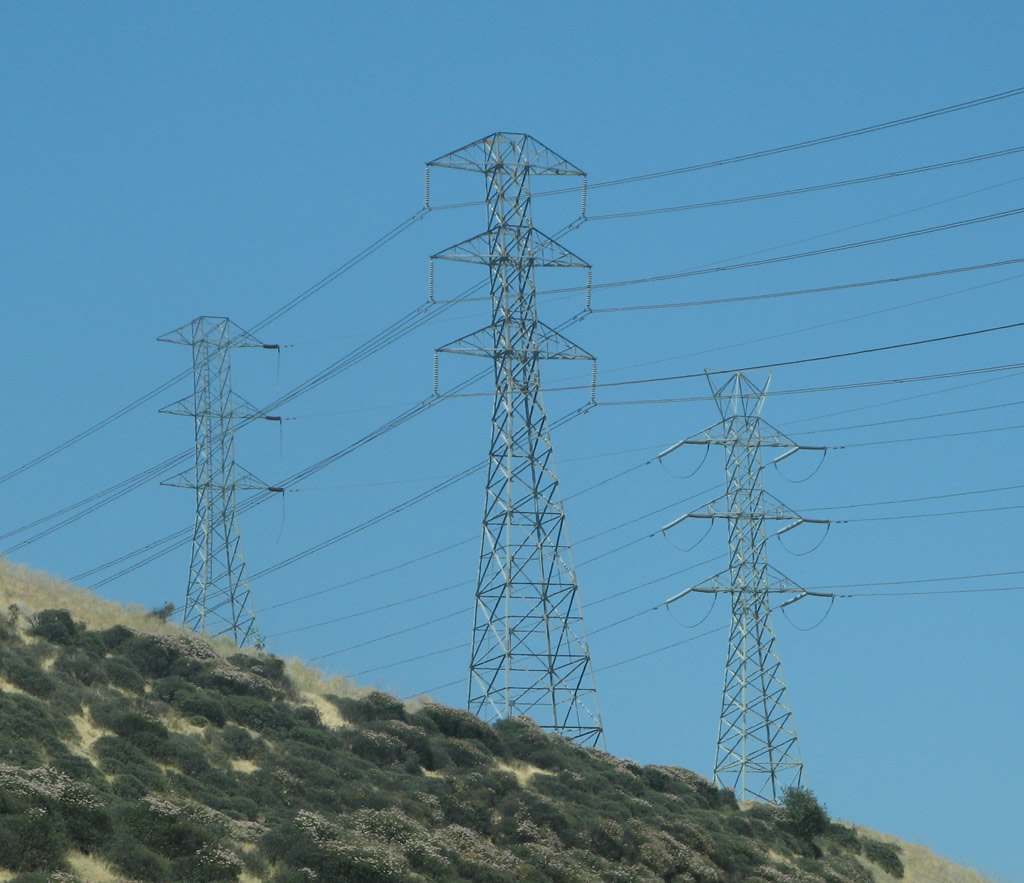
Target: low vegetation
128,754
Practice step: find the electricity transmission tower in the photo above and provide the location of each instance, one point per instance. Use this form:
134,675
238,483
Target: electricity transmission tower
758,755
529,648
217,601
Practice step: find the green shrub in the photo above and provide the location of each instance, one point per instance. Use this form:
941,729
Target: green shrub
146,734
257,714
266,666
148,655
211,864
128,787
120,758
206,705
115,637
137,861
382,749
87,825
78,768
808,818
373,706
121,674
55,626
26,673
238,743
885,855
171,834
81,666
187,755
25,718
9,624
458,724
32,841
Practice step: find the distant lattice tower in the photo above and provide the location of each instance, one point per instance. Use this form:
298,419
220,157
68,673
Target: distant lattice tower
217,600
529,649
758,754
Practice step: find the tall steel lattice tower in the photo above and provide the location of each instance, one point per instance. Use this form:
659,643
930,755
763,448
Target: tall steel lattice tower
217,601
529,648
758,754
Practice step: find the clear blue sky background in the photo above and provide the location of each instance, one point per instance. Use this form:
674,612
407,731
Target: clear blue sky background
162,161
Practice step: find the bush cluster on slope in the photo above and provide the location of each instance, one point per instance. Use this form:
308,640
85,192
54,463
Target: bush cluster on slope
194,766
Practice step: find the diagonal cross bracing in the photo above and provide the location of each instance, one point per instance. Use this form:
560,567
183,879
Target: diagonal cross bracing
529,651
217,599
758,755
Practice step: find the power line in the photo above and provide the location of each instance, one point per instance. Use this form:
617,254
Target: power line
415,318
876,423
928,514
815,188
832,249
838,387
109,495
815,142
802,361
356,259
896,441
949,496
96,427
409,322
152,394
93,502
802,291
404,631
773,151
709,632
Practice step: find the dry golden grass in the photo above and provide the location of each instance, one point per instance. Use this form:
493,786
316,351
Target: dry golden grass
9,687
33,591
921,865
314,682
522,771
88,733
90,869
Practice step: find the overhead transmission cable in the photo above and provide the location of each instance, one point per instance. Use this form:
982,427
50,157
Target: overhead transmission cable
603,599
813,188
772,151
846,286
412,320
704,634
412,219
382,339
1016,367
814,142
163,387
761,262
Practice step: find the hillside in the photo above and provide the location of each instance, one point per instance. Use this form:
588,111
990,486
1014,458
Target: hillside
132,750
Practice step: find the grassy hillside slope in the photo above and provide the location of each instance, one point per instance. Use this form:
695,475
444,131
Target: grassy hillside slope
132,750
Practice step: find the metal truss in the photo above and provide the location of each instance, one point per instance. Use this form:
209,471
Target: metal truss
217,600
758,754
529,648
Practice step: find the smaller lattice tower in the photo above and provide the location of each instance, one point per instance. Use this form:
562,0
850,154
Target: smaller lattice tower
217,600
529,649
758,755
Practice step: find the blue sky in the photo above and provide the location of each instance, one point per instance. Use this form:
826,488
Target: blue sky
164,161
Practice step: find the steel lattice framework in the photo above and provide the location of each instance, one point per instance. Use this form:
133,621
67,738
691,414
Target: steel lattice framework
529,649
217,601
758,754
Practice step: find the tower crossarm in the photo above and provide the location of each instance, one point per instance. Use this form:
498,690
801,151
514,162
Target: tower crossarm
758,755
217,597
529,652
